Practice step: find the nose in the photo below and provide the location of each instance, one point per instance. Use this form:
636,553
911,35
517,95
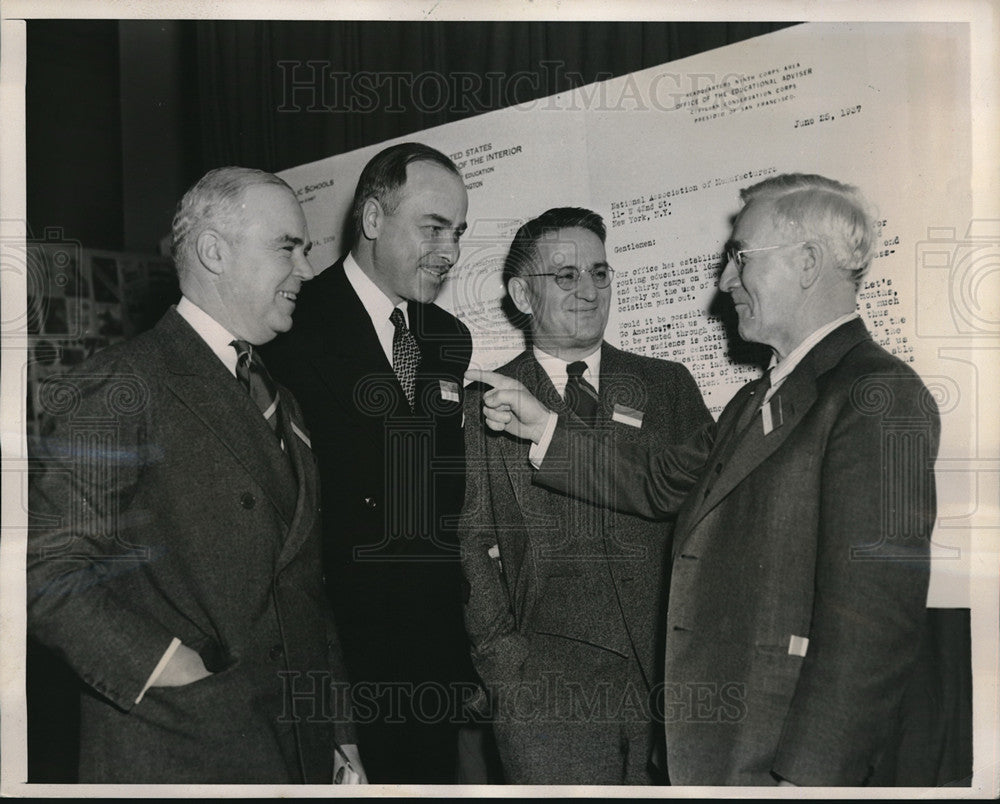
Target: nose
303,268
730,279
585,287
450,249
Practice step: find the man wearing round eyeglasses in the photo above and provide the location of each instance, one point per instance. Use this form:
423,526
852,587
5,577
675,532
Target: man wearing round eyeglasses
566,599
800,565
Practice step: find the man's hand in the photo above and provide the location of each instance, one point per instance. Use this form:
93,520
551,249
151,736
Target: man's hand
510,406
184,667
347,763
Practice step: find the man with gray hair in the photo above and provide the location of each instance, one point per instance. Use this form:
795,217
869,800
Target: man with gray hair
174,554
799,582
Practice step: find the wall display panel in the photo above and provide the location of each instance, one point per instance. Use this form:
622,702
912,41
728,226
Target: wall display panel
513,161
662,155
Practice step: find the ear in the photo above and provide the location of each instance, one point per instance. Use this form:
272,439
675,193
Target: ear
520,294
211,248
810,262
371,218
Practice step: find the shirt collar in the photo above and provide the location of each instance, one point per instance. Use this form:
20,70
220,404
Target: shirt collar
781,369
555,368
211,331
378,306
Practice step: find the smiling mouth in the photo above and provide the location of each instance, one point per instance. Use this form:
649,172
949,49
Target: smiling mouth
438,271
287,294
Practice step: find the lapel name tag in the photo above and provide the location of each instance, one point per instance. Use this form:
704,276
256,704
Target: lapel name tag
300,434
797,646
771,414
449,391
626,415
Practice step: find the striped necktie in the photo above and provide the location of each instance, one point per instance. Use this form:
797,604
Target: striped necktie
405,355
251,373
580,395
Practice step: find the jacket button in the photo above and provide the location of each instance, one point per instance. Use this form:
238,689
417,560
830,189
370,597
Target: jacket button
371,502
247,500
276,653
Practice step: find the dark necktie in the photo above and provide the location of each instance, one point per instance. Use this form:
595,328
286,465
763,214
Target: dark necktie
405,355
251,373
747,416
580,395
754,403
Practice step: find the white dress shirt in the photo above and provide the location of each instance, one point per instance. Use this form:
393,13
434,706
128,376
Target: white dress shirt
378,306
555,367
780,369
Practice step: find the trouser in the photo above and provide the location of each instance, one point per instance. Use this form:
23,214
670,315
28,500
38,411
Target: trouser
578,715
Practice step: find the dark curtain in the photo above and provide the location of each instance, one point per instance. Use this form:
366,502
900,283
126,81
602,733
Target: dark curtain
275,95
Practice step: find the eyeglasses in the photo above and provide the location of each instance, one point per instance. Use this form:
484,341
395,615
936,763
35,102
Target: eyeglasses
568,278
735,255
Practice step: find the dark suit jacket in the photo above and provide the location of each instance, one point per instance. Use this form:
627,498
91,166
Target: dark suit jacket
819,530
570,570
392,480
162,507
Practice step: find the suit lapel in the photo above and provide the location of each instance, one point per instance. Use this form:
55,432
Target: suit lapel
610,380
307,501
621,387
516,546
197,377
439,380
514,451
795,396
347,355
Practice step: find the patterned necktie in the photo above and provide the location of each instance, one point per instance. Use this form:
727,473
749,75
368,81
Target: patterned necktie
580,395
251,373
405,355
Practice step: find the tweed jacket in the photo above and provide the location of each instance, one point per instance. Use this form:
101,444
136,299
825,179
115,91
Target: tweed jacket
542,567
